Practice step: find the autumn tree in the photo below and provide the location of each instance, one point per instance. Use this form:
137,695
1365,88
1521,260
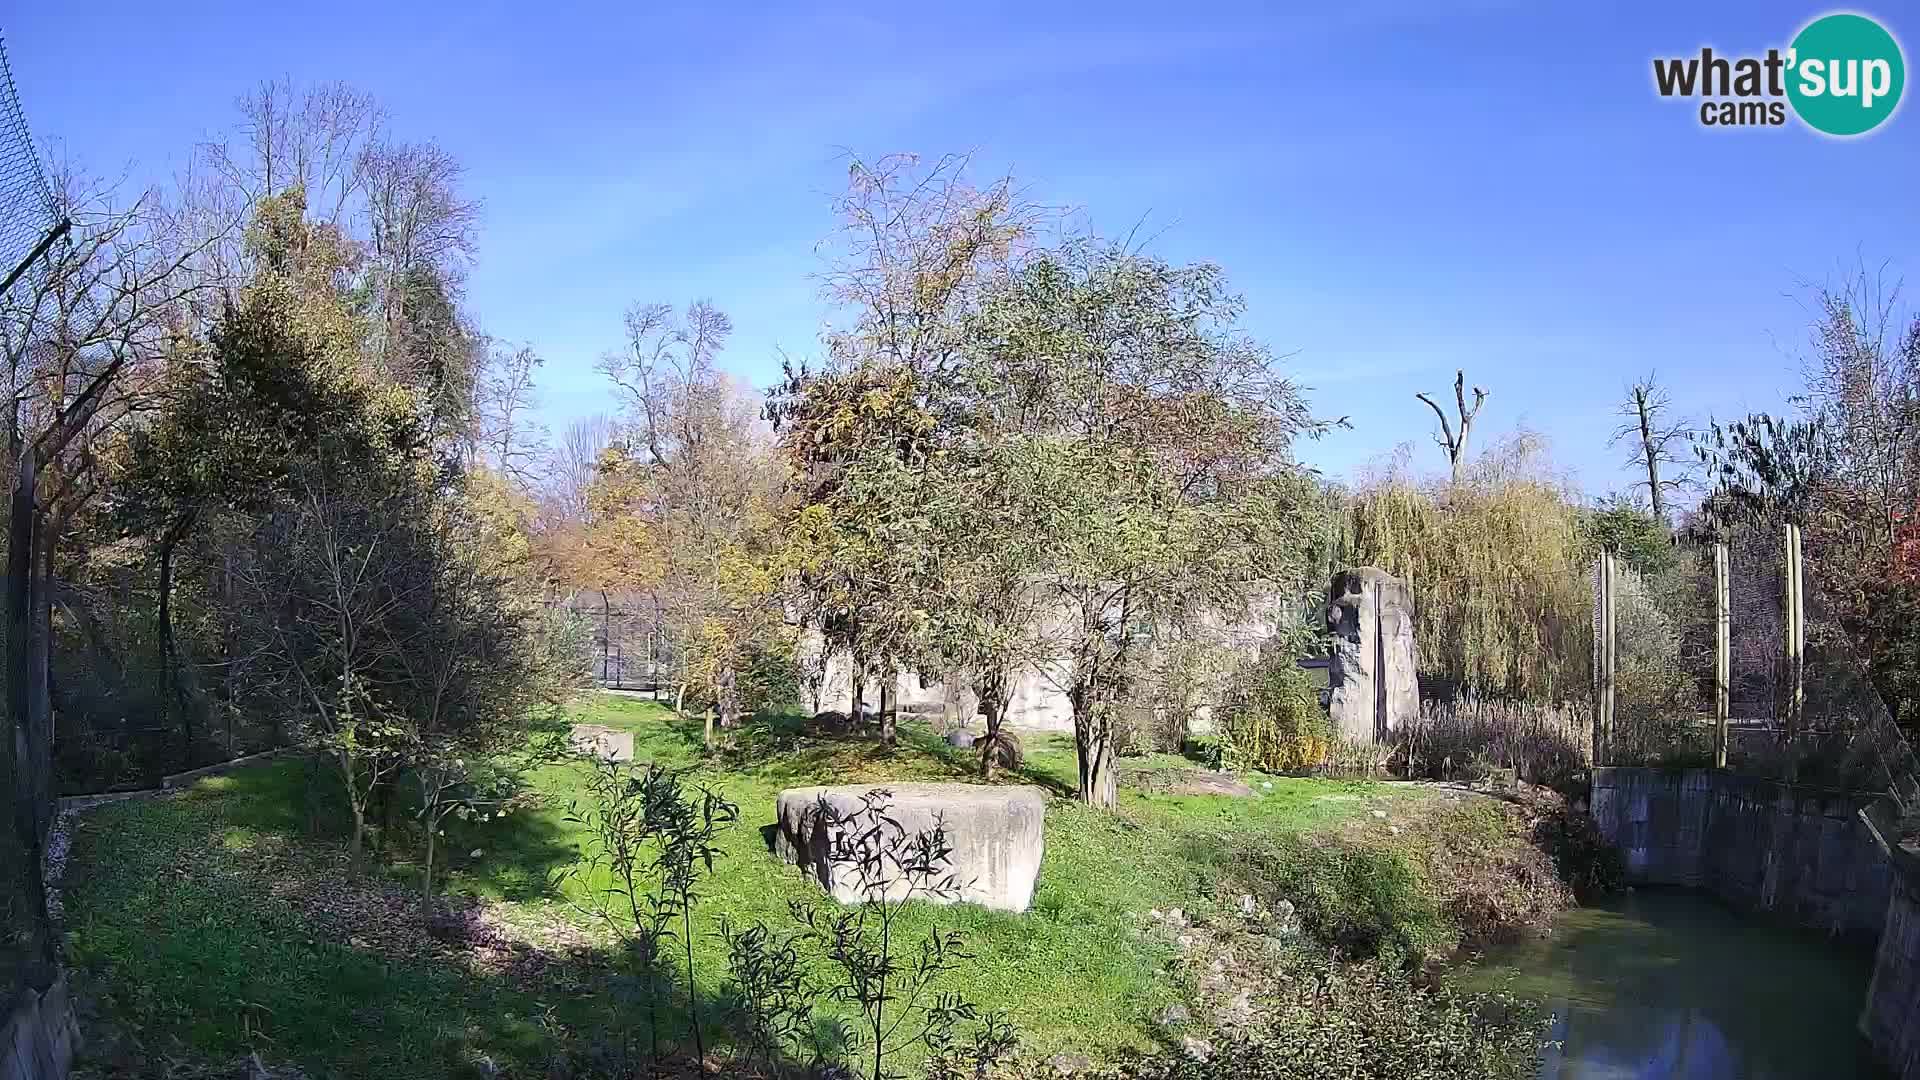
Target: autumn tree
1158,453
1848,472
682,508
919,243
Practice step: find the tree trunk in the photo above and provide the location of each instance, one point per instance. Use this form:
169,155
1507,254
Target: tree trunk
169,690
39,728
889,709
1654,496
989,763
1093,744
992,694
426,874
359,831
357,809
855,714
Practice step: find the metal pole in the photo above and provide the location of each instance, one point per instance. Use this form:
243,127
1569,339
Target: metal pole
1603,659
1796,636
1613,650
39,249
1722,655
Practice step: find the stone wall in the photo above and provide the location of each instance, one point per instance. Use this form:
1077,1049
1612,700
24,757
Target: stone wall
1891,1018
39,1035
1803,854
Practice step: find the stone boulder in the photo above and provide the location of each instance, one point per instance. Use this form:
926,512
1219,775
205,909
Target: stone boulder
608,744
1006,748
997,835
1373,688
960,739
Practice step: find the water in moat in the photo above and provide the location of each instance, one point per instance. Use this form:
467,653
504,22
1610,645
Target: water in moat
1665,984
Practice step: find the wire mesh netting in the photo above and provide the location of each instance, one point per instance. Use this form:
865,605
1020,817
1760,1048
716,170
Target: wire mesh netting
28,212
28,216
628,651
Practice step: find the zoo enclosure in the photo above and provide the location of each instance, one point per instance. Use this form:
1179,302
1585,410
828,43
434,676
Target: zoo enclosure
1788,696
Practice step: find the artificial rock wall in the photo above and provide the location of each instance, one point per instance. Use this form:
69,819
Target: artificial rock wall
39,1034
1802,854
1372,679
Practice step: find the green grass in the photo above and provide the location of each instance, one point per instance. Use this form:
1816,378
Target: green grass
203,962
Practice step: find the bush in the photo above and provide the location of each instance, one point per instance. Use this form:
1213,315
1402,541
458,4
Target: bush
1464,738
1365,902
1589,865
1369,1022
1272,720
1208,750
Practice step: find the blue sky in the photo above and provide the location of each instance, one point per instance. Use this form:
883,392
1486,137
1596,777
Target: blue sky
1399,189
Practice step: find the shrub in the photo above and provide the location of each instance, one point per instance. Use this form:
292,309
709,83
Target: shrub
1589,865
1368,1022
1208,750
1463,738
1272,719
1498,566
1363,901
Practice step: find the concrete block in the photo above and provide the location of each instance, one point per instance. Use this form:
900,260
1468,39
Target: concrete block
997,836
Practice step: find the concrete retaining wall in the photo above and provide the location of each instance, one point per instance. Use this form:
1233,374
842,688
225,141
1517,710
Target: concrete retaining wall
39,1034
1802,854
1891,1017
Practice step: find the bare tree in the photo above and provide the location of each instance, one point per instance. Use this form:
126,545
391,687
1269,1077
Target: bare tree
1456,445
1863,383
1649,429
314,139
668,375
513,442
916,243
572,464
80,331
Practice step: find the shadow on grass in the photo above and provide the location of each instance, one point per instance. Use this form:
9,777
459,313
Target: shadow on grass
206,928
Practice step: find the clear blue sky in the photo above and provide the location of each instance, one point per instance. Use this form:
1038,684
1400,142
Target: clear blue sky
1397,189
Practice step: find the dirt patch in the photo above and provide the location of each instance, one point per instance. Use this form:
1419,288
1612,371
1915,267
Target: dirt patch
1187,782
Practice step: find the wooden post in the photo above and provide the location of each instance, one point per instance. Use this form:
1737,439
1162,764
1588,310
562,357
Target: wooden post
1603,663
1796,635
1722,655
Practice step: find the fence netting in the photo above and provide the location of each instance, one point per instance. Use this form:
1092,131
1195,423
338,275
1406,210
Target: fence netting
28,216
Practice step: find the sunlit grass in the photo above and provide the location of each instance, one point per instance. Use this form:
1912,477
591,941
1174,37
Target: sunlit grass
191,958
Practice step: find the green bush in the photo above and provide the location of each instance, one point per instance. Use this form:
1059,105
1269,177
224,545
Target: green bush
1272,720
1208,750
1589,865
1366,902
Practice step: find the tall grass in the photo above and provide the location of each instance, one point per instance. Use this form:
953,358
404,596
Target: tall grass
1468,737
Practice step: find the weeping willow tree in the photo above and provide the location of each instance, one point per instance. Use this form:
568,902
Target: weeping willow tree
1499,569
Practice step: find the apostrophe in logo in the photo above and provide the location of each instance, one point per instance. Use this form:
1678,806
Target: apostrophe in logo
1842,75
1845,74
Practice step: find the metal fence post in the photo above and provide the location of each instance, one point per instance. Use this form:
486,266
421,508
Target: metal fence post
1796,636
1603,667
1722,655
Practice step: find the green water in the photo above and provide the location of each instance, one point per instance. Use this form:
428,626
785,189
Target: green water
1660,985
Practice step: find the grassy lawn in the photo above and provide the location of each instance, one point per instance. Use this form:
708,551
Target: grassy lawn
215,923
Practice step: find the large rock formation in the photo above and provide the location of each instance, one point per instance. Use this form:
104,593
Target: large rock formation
1374,690
997,835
